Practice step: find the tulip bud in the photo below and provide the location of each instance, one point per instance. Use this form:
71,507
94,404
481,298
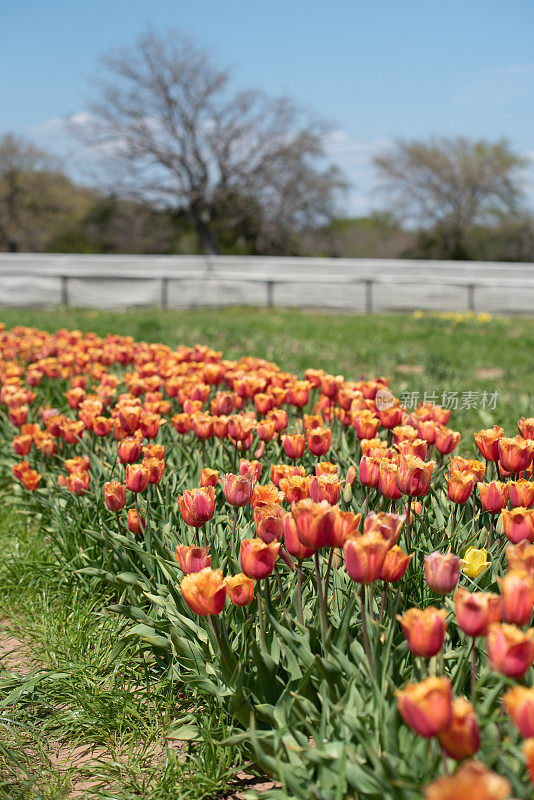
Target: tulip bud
137,477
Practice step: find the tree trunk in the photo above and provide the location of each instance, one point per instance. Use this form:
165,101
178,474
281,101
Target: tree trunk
207,242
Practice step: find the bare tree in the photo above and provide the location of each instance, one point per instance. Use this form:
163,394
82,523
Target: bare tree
449,185
182,138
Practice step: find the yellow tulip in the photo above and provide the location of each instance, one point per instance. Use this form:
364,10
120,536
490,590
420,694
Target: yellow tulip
475,562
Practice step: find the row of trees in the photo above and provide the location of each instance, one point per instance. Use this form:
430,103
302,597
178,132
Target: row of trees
185,163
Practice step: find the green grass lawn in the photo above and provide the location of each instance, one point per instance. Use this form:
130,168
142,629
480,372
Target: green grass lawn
432,354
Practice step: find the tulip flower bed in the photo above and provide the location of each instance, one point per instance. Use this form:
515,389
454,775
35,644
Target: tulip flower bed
304,549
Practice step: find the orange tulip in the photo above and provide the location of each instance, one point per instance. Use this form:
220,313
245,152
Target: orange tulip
521,557
487,442
476,612
129,418
426,706
510,650
521,493
238,489
240,589
493,496
258,558
115,496
129,450
413,475
325,487
528,750
204,591
446,440
266,430
365,556
269,522
526,427
295,488
316,523
386,524
518,524
462,738
471,781
424,630
77,482
209,477
369,471
319,440
197,506
292,542
395,565
519,703
460,487
22,444
30,479
294,445
515,453
135,522
387,480
137,477
192,558
326,468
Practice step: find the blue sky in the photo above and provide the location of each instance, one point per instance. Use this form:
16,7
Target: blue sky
378,69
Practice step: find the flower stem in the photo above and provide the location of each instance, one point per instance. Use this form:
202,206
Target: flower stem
320,596
233,530
260,615
473,671
366,646
299,593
